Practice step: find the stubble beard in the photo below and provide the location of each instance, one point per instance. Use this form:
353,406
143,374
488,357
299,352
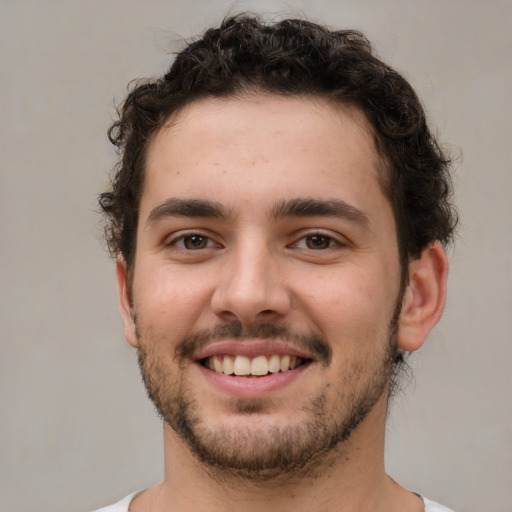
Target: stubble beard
280,451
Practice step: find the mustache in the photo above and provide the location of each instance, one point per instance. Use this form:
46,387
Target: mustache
312,342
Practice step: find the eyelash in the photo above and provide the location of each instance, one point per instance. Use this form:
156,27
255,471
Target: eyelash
331,241
181,242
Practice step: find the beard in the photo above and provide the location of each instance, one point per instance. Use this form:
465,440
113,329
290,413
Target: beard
250,446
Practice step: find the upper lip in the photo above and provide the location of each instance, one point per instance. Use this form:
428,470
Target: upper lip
251,348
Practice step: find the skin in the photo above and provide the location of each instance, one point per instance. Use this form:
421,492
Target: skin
251,267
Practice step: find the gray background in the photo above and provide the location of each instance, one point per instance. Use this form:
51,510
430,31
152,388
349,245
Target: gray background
76,429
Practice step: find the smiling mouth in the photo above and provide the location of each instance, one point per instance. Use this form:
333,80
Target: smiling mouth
252,366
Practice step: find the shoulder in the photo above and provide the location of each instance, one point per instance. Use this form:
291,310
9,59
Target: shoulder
432,506
120,506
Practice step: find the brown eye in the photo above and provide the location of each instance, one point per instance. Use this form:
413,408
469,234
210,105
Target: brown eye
318,242
194,242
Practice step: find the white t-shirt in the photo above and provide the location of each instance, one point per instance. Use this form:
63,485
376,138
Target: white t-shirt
122,506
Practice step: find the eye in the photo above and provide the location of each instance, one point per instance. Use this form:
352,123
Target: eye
316,242
193,242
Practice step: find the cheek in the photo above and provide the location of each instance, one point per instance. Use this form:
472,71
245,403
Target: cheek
170,304
339,288
351,303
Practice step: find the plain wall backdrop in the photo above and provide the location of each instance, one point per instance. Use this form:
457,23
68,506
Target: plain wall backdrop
77,431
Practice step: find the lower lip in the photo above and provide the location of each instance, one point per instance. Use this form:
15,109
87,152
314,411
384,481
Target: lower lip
252,387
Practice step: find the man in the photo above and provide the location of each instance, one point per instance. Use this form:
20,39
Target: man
278,216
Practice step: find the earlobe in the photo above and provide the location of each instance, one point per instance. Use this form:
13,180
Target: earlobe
424,297
125,302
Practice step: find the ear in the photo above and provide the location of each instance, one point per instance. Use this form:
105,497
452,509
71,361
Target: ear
125,302
424,297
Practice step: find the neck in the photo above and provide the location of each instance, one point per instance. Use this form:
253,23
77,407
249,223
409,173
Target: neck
350,478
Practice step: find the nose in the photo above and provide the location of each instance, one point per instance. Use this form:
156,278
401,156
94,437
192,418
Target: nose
251,287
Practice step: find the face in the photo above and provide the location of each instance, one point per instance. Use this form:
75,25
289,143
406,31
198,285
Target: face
266,285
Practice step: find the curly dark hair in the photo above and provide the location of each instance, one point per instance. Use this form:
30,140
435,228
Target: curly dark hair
291,57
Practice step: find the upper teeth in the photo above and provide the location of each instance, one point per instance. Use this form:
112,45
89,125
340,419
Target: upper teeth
259,365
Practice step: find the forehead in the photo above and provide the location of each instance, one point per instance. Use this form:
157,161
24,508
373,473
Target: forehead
246,114
260,145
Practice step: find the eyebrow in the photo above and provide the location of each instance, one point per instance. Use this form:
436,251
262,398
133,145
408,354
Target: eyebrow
173,207
298,207
309,207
